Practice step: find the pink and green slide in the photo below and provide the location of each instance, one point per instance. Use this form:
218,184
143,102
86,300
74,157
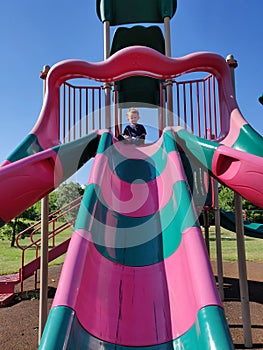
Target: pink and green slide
136,274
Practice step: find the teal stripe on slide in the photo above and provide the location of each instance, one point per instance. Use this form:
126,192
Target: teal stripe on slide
130,170
105,142
73,155
249,141
27,147
63,331
203,150
136,241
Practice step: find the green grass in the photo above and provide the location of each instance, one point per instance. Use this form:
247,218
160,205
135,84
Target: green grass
253,246
10,258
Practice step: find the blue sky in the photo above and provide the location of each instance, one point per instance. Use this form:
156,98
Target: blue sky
33,34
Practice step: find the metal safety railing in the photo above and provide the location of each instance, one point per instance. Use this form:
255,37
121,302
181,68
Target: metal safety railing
195,106
81,111
57,223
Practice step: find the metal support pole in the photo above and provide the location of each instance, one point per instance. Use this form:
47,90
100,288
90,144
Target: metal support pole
219,257
243,285
169,84
206,229
107,86
43,308
106,27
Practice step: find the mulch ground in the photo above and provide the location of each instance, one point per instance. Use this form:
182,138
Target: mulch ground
19,322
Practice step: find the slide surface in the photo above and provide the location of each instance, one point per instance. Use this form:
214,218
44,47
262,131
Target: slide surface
137,274
25,181
251,229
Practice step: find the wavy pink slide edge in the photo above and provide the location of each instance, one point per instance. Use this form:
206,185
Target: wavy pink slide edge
135,60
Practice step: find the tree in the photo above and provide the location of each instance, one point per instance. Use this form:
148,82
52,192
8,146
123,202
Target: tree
18,224
66,193
226,199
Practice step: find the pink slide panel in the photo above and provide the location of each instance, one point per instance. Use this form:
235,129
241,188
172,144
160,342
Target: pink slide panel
243,172
138,306
140,199
26,181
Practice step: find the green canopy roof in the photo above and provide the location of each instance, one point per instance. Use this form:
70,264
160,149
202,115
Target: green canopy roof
138,89
135,11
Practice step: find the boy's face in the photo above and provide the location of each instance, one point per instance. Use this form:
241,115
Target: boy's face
133,118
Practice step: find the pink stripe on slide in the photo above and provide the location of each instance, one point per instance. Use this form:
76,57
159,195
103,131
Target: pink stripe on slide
236,123
136,199
137,306
27,180
241,171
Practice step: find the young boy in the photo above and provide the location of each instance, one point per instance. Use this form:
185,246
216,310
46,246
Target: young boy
134,132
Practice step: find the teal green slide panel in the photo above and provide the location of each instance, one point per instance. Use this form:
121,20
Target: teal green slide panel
249,141
75,154
135,11
63,331
251,229
203,150
29,146
165,228
138,89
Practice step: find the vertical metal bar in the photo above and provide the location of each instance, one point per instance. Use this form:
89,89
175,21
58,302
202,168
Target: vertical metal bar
206,228
209,107
178,104
168,52
106,28
191,107
80,112
43,267
219,256
215,104
107,87
43,310
100,121
185,109
161,111
74,113
243,285
93,110
64,112
167,36
69,109
204,111
117,129
198,109
87,111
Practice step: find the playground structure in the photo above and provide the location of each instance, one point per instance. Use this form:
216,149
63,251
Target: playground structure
137,274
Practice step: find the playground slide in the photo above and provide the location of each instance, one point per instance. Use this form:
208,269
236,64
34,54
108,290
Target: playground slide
27,180
237,169
251,229
102,278
136,274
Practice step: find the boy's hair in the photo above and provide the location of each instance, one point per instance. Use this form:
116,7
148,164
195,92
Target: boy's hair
132,110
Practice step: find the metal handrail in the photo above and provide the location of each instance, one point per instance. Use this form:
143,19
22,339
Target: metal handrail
52,234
